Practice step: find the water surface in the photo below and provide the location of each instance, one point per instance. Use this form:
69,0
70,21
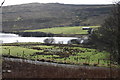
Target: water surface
12,38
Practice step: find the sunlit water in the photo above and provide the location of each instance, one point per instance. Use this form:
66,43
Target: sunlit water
12,38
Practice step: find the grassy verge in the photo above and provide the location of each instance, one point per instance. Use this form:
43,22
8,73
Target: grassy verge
63,30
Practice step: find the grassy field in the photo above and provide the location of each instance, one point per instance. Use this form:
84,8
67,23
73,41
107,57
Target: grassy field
63,30
59,54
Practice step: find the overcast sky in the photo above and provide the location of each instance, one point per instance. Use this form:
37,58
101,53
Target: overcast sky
14,2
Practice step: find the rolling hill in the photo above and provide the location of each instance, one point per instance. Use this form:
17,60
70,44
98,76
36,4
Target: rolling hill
40,15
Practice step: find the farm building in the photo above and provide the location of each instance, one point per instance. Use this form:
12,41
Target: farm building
90,30
86,28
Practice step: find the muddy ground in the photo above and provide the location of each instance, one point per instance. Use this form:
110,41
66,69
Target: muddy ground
27,70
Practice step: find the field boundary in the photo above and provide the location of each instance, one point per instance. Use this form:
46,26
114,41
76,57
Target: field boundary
54,64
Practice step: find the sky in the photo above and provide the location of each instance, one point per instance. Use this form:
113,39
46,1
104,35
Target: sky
14,2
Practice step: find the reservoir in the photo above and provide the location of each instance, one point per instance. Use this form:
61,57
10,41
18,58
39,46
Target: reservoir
13,38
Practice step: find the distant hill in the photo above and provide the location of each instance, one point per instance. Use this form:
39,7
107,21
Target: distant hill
39,15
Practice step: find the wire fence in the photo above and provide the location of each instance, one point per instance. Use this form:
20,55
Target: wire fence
84,61
66,60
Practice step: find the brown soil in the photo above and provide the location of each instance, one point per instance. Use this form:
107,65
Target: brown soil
26,70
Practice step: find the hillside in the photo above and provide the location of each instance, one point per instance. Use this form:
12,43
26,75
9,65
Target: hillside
39,15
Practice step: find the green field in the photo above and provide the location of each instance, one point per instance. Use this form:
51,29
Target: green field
63,30
58,54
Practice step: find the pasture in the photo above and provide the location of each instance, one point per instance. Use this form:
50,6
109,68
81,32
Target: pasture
57,54
63,30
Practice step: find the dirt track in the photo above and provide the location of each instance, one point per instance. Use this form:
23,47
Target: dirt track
28,70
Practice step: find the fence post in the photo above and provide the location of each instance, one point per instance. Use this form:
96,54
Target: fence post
98,61
9,53
110,67
65,60
78,59
23,55
29,57
89,60
37,57
85,60
17,54
108,63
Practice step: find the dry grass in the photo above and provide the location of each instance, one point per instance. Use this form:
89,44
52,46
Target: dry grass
25,70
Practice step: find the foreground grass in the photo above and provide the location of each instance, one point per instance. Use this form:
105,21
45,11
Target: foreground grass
69,55
63,30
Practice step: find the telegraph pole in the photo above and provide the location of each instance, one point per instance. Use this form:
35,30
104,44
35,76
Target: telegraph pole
2,4
1,15
0,43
